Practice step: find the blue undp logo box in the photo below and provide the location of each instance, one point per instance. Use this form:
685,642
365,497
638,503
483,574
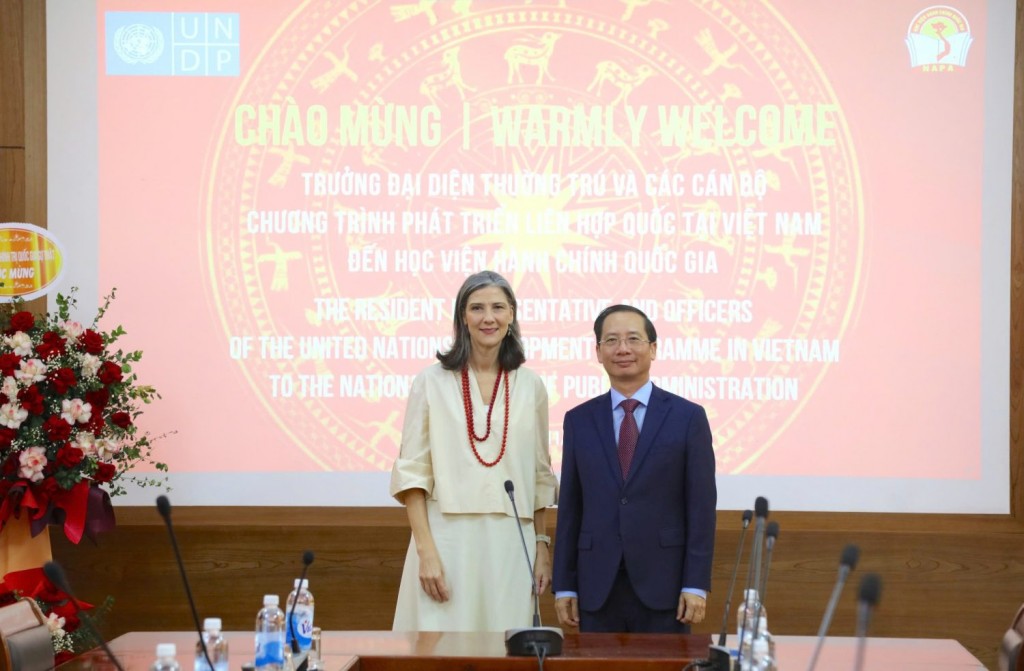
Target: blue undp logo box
172,44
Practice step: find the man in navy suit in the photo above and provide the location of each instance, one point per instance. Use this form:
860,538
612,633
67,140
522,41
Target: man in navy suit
636,512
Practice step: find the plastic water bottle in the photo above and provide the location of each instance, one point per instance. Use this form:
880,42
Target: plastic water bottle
166,658
315,660
759,651
745,621
301,621
761,660
270,635
216,647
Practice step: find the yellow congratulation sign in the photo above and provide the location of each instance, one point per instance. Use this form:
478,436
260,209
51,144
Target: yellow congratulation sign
31,261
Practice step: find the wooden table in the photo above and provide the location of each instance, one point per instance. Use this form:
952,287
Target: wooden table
427,651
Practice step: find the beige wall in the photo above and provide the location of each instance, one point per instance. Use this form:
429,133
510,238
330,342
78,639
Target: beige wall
948,576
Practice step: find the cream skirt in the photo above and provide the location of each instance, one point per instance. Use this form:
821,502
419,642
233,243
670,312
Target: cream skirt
485,570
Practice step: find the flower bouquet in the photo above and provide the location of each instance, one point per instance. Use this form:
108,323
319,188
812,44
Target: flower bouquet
68,405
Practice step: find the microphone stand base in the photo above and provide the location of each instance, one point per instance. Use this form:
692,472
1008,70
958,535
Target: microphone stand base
719,657
528,641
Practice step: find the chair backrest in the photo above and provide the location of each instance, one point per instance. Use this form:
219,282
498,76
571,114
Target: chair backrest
25,643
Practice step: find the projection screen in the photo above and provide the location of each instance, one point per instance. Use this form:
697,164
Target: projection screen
811,201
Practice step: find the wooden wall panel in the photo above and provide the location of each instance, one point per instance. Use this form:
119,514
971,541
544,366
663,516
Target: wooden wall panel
12,75
1017,282
34,103
944,576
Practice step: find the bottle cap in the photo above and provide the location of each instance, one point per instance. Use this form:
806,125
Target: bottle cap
750,594
166,650
271,600
305,583
212,624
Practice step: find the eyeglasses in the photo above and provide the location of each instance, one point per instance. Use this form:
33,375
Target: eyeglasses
632,342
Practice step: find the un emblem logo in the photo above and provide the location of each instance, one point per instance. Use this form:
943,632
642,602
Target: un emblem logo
138,43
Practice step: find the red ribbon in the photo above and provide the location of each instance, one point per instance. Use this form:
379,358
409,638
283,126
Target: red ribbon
84,510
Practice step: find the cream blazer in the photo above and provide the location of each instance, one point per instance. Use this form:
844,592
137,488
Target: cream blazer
435,454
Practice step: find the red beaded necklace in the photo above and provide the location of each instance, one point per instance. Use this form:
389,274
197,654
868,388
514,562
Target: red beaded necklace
467,404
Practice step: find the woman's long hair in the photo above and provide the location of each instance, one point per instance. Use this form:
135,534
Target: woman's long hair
511,354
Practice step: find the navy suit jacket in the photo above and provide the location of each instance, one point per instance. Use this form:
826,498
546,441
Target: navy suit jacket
660,521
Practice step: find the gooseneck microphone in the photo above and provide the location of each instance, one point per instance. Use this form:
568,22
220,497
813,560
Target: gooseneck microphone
847,562
718,655
536,640
867,599
163,506
747,516
754,571
55,573
771,533
307,559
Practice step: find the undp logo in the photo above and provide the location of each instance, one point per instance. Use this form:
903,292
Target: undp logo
138,43
172,44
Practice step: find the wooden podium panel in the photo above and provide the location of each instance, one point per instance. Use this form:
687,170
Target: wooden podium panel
433,651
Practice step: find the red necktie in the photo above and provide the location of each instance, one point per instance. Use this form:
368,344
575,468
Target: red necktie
628,435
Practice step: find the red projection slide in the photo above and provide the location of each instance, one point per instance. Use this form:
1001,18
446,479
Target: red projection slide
290,195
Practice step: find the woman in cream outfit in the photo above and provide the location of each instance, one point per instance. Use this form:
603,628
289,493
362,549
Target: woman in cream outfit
465,569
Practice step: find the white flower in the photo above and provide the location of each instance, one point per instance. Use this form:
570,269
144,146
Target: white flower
32,460
9,388
31,370
86,442
106,448
12,415
62,641
90,365
72,329
75,410
55,623
20,343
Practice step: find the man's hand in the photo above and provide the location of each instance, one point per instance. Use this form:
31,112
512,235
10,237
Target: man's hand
568,611
691,608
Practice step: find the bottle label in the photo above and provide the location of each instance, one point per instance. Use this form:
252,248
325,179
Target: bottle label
303,628
269,648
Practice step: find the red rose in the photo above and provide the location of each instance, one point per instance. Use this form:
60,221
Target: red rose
105,472
109,372
31,400
95,424
22,321
52,345
91,341
98,399
9,363
69,457
57,429
11,466
62,379
121,419
7,436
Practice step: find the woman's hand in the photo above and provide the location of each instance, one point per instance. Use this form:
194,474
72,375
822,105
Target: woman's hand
542,568
432,576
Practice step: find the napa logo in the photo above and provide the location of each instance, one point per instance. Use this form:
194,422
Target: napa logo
172,44
31,261
939,38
